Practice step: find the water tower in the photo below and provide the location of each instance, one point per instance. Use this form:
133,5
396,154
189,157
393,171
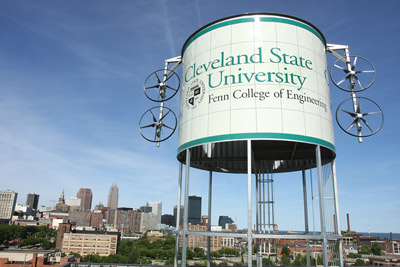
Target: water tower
255,100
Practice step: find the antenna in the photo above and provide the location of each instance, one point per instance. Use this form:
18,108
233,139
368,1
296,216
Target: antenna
355,74
160,86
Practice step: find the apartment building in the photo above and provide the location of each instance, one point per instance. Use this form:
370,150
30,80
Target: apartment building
198,241
85,243
8,200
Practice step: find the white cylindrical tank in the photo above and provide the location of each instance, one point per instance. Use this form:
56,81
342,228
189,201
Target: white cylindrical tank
255,76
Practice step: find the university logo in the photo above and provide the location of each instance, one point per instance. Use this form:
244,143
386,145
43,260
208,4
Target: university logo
195,93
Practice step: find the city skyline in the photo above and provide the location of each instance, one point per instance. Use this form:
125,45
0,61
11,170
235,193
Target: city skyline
219,219
71,87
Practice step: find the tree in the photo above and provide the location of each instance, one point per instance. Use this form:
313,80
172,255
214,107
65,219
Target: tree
285,260
365,250
40,236
267,262
376,249
114,258
299,260
133,256
189,253
198,253
216,254
319,260
352,255
92,258
359,262
286,251
170,261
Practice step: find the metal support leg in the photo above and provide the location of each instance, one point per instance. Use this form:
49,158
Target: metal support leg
258,205
335,191
258,214
178,215
209,220
306,217
185,214
249,207
322,208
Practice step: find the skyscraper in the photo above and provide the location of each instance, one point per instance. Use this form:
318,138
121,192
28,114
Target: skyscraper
85,195
182,210
113,197
8,200
194,216
156,209
32,200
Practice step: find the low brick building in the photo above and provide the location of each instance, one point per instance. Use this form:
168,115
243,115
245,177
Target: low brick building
25,258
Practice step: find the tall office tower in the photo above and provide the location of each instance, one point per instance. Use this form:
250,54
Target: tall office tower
8,200
182,210
85,195
223,220
156,208
125,218
113,197
194,216
32,200
148,222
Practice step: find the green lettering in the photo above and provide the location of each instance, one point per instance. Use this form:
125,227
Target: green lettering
216,61
279,59
260,74
252,58
220,80
230,61
308,62
248,78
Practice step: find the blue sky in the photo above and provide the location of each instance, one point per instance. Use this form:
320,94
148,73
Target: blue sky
71,96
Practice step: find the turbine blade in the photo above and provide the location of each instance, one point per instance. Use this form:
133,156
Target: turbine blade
359,106
348,112
154,117
169,76
372,113
171,88
168,126
147,126
358,81
366,123
158,78
365,71
345,78
354,64
351,125
165,114
340,67
154,86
